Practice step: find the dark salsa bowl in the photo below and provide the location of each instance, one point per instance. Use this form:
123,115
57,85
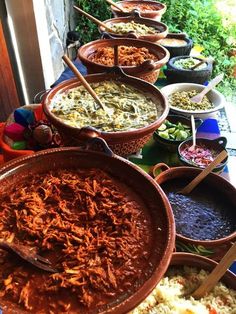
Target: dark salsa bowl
205,219
105,225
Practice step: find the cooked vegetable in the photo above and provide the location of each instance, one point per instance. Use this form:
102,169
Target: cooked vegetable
174,132
181,100
137,28
129,108
188,63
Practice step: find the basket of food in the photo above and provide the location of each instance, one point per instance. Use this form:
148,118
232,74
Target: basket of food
138,58
149,9
104,226
137,109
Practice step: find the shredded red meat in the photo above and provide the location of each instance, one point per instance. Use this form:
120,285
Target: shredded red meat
91,226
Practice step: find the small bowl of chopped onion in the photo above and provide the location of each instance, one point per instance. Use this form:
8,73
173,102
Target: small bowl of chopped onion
179,96
173,131
204,152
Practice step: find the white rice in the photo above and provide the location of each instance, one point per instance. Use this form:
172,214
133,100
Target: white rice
167,297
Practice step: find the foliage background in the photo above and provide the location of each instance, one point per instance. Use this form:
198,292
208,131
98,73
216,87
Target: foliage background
200,19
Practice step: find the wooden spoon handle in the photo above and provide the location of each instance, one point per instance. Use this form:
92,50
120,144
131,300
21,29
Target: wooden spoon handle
93,19
198,64
116,5
212,84
204,173
83,81
216,274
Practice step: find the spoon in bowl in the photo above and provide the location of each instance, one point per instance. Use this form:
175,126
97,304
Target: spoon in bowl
192,147
188,188
116,5
198,98
212,279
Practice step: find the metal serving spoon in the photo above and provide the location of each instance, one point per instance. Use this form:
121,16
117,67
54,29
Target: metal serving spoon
28,254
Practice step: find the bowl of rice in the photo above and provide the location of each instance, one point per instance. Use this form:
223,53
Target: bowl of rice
185,274
179,95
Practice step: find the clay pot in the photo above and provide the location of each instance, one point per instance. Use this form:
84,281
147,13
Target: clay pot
122,143
155,14
178,50
161,28
158,207
193,260
148,70
214,249
176,75
216,145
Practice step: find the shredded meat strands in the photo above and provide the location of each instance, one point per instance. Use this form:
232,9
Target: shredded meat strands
95,232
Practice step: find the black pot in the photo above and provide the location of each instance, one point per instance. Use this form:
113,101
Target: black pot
181,50
177,75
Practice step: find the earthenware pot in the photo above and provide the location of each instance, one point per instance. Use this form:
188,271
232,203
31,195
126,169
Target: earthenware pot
172,145
216,146
156,14
214,249
161,28
161,217
175,74
201,262
148,70
122,143
178,50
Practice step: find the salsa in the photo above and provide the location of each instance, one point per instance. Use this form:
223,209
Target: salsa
204,214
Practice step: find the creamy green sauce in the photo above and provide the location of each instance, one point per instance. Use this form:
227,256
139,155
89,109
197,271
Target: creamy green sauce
137,28
128,108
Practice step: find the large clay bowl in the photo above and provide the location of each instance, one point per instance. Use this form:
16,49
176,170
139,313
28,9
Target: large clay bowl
156,14
214,249
157,205
162,29
148,71
122,143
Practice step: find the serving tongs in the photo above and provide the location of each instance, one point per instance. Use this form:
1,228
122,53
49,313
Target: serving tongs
28,254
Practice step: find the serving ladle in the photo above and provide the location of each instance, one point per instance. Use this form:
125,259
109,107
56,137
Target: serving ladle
211,280
28,254
116,6
188,188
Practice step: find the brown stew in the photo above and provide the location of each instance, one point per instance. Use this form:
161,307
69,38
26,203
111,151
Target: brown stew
94,229
204,214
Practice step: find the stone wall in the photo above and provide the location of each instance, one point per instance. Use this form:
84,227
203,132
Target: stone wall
60,20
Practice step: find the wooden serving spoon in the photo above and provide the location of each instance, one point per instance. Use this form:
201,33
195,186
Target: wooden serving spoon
84,83
116,6
212,279
198,98
188,188
93,19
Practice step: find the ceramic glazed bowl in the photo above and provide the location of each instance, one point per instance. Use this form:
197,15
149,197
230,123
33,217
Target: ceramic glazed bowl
216,146
148,71
216,98
214,249
161,28
175,74
178,50
155,14
137,180
122,143
172,145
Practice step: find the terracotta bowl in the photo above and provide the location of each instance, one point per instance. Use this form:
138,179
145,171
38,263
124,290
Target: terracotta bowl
214,249
155,14
122,143
172,145
216,146
148,71
138,181
161,28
